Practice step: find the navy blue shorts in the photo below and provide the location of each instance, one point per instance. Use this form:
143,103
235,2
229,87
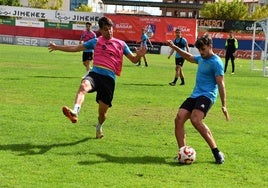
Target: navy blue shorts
201,103
87,56
103,85
179,61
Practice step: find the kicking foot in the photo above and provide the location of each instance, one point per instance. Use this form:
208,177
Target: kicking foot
70,114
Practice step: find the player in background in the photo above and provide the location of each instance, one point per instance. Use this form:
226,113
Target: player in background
143,43
231,45
182,43
107,64
87,55
209,81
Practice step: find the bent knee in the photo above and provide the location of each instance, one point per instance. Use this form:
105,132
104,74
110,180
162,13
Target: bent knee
196,121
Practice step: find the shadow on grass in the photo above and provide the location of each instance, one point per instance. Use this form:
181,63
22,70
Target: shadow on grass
32,149
43,76
106,158
134,84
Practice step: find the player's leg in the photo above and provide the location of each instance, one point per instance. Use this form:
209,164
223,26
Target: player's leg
196,120
103,108
87,65
182,77
104,98
233,64
139,63
84,87
202,106
87,57
177,73
181,72
145,61
181,117
227,57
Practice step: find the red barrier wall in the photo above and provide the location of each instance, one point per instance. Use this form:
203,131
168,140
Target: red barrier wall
40,32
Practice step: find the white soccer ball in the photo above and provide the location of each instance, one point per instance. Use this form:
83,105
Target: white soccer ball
186,155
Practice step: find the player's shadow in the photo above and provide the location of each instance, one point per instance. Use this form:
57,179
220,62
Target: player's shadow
141,84
38,149
44,76
106,158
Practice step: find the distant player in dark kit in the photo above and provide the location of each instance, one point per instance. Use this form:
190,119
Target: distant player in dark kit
231,45
182,43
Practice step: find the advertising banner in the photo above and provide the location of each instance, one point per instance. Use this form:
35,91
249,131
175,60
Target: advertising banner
159,29
57,15
7,21
33,41
214,25
6,39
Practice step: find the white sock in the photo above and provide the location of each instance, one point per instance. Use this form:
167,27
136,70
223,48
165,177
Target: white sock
99,127
77,108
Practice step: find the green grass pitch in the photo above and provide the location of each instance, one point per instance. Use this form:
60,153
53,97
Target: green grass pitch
39,147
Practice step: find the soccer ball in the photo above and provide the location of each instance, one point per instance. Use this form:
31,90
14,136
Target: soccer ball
186,155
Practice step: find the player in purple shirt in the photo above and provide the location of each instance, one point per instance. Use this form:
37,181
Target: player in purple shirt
87,55
107,63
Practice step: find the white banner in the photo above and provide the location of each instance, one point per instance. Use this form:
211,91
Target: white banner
35,41
57,15
29,23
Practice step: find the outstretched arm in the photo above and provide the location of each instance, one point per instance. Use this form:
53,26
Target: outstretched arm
184,54
52,47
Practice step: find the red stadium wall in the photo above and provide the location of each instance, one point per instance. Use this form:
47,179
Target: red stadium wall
40,32
126,27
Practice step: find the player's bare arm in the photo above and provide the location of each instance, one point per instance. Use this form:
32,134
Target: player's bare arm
139,53
150,43
52,47
171,52
222,92
185,55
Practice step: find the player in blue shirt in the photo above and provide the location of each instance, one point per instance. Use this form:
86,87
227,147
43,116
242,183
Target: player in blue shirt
182,43
209,80
143,43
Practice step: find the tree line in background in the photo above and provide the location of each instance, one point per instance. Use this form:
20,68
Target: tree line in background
235,10
43,4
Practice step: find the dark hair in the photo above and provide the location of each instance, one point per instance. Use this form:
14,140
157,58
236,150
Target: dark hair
88,23
104,21
202,41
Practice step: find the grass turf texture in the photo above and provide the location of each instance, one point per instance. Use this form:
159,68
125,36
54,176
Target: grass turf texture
39,147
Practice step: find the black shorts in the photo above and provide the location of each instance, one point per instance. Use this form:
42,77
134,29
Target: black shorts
103,85
179,61
201,103
87,56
